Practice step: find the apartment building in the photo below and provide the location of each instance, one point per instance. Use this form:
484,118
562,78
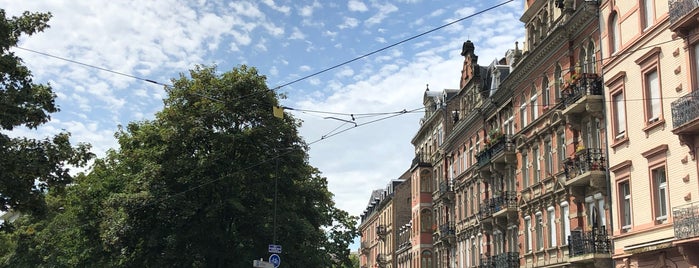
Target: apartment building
388,208
649,80
683,16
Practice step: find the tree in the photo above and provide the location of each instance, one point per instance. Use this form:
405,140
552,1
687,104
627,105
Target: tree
195,188
29,167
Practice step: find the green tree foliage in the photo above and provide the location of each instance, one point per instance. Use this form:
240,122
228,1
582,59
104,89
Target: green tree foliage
29,167
195,188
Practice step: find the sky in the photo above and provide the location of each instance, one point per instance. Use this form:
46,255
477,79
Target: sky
285,40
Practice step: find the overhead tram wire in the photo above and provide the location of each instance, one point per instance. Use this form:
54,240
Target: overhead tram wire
287,83
392,45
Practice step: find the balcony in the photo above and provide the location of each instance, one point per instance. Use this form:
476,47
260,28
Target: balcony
381,232
421,160
685,117
445,192
501,149
686,221
505,205
683,14
583,95
506,260
589,247
487,262
586,167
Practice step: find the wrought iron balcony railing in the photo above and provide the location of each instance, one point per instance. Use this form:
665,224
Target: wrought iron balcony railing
686,221
680,8
506,200
506,260
685,109
496,146
594,241
487,262
584,161
588,84
490,206
447,229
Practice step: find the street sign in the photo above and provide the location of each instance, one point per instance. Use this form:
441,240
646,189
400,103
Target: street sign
275,260
261,264
277,249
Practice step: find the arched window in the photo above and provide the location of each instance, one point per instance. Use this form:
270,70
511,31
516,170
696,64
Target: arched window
545,92
426,221
613,33
426,259
591,57
558,81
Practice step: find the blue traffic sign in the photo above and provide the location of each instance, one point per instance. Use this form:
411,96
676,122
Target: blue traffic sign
275,260
275,249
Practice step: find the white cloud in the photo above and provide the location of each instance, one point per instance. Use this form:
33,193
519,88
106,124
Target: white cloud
356,5
304,68
349,22
283,9
307,10
297,34
384,10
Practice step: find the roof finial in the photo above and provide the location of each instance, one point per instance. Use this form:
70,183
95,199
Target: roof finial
428,87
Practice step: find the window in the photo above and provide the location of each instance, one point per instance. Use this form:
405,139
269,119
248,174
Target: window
539,232
425,183
426,221
613,33
523,113
498,242
470,154
625,206
426,259
565,220
546,93
550,212
525,171
558,81
535,164
591,58
508,125
648,13
619,115
512,239
660,194
548,156
653,98
561,146
534,105
528,234
474,255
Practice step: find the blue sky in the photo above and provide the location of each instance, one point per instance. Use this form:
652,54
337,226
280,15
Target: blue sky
285,40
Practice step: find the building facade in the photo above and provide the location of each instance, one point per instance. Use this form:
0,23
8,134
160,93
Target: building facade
683,16
388,209
578,149
649,82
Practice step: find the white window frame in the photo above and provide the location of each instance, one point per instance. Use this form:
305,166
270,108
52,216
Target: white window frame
552,226
661,198
619,115
654,101
539,228
565,219
528,234
625,195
